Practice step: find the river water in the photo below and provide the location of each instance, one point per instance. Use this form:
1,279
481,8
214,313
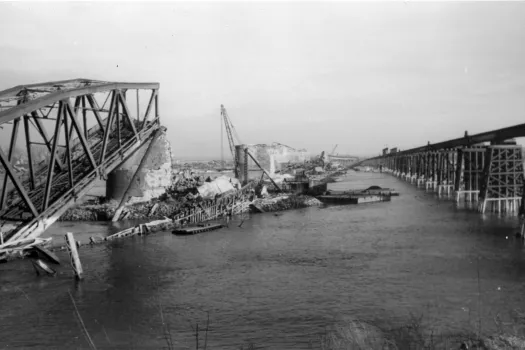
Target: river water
275,281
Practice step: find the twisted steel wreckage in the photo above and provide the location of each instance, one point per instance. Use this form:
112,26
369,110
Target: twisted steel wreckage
87,128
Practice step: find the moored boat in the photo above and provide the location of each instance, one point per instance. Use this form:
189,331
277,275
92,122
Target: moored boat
372,190
352,199
191,230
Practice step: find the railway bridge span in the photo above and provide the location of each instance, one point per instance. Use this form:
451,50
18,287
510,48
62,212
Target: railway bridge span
486,168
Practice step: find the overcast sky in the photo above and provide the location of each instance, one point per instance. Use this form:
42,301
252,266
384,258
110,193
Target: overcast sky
310,75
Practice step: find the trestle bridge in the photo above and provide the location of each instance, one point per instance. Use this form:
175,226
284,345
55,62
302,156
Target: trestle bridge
486,168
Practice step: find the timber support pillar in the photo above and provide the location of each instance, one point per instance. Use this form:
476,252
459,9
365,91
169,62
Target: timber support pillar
502,187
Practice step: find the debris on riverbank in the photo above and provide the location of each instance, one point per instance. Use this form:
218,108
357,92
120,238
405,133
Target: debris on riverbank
105,211
20,248
284,202
190,199
140,211
174,214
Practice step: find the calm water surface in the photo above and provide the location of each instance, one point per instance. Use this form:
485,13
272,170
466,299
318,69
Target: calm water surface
276,281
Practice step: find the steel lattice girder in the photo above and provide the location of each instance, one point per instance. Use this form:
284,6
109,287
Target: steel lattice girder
84,141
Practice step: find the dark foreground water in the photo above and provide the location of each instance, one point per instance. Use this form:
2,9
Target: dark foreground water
277,281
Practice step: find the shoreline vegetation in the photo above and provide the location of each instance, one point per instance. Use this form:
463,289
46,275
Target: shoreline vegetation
416,335
353,334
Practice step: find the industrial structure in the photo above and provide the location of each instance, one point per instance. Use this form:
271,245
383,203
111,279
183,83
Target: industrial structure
230,133
261,157
343,160
87,128
487,168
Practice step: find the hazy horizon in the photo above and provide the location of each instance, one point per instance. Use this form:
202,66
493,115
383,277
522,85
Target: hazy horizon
308,75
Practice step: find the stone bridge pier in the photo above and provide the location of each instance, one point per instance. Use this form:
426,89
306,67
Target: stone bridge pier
145,175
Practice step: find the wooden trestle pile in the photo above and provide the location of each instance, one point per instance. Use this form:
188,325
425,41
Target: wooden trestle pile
491,175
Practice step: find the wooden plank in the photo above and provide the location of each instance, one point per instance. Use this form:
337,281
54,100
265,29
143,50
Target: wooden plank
73,253
47,254
40,265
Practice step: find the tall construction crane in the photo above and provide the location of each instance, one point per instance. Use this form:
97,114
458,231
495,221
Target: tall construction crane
333,150
230,132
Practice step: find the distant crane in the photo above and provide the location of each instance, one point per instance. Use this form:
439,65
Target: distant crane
333,150
230,132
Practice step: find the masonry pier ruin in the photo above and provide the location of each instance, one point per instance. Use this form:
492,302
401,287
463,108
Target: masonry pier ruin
486,169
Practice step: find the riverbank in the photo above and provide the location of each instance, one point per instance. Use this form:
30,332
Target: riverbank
416,334
167,213
158,209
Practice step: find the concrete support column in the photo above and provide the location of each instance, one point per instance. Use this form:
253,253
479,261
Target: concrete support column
152,180
242,166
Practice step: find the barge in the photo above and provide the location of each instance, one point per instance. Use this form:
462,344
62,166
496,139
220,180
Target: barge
372,190
352,199
191,230
370,195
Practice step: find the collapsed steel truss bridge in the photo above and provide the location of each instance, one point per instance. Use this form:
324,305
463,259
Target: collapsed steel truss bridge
74,132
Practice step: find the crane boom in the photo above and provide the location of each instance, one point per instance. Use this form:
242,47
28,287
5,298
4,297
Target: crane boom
230,132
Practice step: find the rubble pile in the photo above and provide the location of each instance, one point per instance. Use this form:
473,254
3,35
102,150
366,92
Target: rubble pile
105,212
184,183
189,188
285,202
186,192
201,166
